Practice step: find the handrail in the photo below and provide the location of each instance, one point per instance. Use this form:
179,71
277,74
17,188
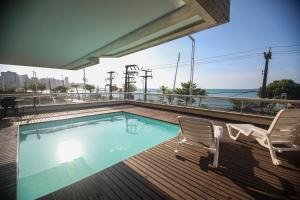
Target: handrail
235,104
157,94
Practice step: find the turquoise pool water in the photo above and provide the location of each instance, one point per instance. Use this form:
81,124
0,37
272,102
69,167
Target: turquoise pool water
55,154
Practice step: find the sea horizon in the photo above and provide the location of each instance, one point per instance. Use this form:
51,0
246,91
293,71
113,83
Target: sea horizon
249,93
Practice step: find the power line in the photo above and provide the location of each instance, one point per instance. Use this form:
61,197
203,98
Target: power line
242,57
240,53
285,46
216,60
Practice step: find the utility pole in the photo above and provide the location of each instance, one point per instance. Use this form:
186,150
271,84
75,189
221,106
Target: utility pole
192,65
130,72
84,80
110,78
267,56
178,59
146,76
35,80
25,83
49,84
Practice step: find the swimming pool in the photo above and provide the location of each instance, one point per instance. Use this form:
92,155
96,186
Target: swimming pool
55,154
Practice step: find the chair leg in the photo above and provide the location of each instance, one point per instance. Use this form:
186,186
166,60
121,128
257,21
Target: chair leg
273,153
216,153
216,159
178,144
231,135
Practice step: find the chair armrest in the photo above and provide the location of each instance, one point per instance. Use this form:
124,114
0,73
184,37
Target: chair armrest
218,131
259,132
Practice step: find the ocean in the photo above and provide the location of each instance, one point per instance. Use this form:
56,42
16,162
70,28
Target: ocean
207,103
244,93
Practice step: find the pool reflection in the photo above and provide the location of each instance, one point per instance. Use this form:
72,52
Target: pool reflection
69,150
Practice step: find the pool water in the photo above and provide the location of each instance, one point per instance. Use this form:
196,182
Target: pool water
55,154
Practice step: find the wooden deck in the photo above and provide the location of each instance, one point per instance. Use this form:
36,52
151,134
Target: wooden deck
245,168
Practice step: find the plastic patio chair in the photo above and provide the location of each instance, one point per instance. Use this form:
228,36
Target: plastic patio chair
282,135
201,133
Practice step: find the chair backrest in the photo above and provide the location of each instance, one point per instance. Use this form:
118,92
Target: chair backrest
286,126
197,129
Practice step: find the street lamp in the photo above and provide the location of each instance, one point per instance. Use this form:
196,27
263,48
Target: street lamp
192,65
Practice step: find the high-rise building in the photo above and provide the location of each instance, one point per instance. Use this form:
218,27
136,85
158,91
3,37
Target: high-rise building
51,82
9,80
24,80
67,84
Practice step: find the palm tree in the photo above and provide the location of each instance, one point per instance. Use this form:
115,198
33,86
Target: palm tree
89,87
41,87
163,89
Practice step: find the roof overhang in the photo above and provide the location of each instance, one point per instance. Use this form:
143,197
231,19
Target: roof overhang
74,34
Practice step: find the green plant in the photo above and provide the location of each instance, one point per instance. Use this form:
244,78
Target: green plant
41,86
61,89
8,90
33,86
89,87
169,97
131,88
163,89
76,88
185,90
277,87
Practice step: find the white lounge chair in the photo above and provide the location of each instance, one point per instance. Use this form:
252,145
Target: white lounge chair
200,132
284,130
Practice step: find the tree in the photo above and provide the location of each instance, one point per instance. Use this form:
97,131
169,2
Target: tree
131,88
32,87
185,90
8,90
76,88
89,87
97,89
41,86
163,89
61,89
277,87
169,97
114,88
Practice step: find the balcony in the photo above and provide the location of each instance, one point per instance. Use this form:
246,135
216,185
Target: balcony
245,168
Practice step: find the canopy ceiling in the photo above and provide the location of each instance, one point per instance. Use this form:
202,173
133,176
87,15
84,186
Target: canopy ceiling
73,34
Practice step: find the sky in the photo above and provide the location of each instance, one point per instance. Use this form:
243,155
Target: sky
254,26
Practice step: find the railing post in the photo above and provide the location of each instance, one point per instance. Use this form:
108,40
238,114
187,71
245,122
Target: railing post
242,106
199,101
34,103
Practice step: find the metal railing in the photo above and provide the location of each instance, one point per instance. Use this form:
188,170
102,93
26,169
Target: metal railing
241,105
